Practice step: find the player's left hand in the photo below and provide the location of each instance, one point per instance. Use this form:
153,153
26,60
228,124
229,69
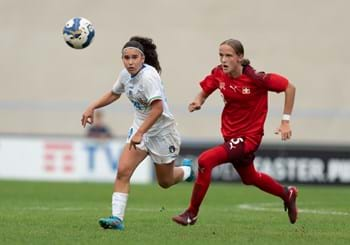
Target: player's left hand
135,140
284,130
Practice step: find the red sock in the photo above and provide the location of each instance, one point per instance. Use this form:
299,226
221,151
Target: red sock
206,162
263,181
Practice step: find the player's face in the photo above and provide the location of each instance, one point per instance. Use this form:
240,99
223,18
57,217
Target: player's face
133,60
230,61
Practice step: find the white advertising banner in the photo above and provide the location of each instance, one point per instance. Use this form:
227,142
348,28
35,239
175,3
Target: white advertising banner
64,159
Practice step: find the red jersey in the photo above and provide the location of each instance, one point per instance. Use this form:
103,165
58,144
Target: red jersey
245,100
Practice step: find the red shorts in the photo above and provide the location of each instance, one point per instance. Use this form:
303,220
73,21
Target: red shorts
241,150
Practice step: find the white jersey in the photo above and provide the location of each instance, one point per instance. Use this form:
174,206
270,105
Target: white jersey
141,89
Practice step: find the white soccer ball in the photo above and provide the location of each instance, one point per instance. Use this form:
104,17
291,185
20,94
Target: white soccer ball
78,33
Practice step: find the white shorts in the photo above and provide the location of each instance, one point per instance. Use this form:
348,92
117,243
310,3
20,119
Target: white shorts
163,148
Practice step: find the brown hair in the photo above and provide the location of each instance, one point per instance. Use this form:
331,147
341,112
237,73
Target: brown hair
237,47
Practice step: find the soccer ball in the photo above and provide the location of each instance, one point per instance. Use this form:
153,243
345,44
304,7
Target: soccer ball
78,33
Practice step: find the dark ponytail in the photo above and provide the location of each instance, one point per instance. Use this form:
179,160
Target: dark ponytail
150,51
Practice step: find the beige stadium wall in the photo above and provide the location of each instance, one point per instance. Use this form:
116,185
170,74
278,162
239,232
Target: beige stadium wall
45,85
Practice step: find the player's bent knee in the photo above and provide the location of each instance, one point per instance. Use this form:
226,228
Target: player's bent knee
124,175
205,160
165,183
248,181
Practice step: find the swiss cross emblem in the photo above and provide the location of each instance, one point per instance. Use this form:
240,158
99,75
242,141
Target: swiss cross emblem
245,90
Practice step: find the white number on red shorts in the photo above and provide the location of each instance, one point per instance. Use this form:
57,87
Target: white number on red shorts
234,142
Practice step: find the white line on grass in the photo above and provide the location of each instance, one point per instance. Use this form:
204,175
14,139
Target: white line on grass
74,209
262,207
267,207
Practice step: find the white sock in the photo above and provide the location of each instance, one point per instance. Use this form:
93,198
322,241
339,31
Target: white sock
187,172
119,201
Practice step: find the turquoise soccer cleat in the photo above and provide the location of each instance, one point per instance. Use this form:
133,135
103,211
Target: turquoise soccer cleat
111,222
188,162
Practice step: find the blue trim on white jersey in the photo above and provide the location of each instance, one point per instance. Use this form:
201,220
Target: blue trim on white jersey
132,76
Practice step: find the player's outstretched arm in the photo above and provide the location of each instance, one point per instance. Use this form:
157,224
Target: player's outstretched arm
285,129
106,99
197,102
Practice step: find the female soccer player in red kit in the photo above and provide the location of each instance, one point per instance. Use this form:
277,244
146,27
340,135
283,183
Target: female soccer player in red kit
245,95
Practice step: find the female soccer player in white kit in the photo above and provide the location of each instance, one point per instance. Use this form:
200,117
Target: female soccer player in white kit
153,131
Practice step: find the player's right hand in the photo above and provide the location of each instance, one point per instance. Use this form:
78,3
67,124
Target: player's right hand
87,117
194,106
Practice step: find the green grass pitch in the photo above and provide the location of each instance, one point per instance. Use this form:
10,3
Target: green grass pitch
67,213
